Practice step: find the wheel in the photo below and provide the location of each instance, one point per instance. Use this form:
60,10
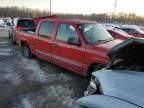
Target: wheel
26,51
14,39
9,35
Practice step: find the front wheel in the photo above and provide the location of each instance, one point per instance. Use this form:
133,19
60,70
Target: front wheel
26,51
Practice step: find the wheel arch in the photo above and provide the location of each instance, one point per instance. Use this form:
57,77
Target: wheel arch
90,68
93,67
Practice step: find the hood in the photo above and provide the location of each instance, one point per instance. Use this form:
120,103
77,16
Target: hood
102,101
108,45
126,85
128,47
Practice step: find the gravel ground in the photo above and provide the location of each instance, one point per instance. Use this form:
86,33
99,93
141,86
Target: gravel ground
33,83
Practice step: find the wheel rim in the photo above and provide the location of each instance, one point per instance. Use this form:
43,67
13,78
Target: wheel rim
26,51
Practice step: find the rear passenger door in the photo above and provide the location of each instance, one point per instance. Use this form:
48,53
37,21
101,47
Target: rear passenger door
44,41
68,56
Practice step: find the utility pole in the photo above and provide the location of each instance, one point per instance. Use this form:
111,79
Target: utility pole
50,8
115,5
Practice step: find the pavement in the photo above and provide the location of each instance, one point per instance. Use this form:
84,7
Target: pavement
33,83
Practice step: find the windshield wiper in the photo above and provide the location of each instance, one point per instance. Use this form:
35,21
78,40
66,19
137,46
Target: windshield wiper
109,39
99,41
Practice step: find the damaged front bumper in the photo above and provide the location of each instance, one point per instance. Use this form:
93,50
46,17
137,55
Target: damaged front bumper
92,88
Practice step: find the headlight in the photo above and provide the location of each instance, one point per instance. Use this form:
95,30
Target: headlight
93,85
92,88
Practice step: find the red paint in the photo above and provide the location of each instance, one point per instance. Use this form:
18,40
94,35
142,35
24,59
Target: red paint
119,35
76,58
138,35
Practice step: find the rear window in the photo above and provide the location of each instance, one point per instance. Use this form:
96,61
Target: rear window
46,29
26,23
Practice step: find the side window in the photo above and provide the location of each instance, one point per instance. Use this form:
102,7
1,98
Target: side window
65,31
46,29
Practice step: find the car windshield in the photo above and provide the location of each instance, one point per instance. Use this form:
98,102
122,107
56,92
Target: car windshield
94,33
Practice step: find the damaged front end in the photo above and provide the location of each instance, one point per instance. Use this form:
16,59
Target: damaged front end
92,88
128,55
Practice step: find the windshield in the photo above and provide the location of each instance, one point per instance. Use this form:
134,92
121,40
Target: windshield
94,33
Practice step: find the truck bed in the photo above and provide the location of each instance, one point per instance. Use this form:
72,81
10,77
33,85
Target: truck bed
28,36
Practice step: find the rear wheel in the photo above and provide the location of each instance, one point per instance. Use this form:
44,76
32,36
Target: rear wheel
9,35
26,51
14,38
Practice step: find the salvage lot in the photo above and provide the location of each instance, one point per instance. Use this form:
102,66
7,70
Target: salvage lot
33,83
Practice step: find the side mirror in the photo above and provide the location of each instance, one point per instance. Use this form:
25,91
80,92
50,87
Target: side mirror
73,41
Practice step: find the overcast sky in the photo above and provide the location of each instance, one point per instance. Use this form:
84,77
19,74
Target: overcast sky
81,6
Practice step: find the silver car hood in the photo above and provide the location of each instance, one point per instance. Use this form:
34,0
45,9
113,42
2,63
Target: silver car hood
123,84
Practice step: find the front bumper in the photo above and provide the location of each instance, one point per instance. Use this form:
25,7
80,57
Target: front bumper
92,88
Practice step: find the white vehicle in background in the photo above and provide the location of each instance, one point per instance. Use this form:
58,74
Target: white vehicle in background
6,25
2,24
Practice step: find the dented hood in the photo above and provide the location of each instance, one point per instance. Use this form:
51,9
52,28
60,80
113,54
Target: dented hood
130,46
107,45
122,84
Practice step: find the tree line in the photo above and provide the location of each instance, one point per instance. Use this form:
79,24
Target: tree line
123,18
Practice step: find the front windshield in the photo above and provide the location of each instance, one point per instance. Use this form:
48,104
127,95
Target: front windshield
94,33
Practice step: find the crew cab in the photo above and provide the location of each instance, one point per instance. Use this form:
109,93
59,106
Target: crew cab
77,45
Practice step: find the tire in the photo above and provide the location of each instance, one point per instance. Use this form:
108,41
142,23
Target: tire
9,35
26,51
14,39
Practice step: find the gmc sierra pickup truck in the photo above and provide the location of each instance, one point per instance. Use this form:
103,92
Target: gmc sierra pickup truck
77,45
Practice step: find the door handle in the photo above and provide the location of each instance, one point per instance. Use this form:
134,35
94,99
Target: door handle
55,45
37,41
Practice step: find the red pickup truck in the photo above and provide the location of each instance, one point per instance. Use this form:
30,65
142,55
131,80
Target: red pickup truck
77,45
